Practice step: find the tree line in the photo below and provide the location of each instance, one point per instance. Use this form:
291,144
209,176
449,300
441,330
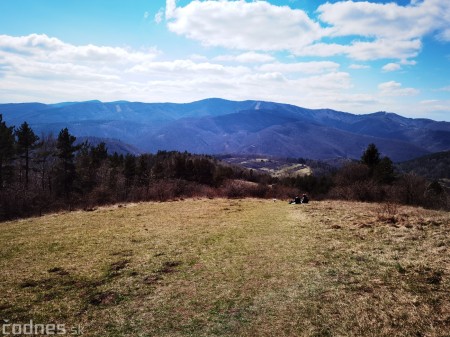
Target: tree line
44,174
374,179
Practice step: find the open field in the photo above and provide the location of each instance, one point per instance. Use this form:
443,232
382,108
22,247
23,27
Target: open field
231,268
271,166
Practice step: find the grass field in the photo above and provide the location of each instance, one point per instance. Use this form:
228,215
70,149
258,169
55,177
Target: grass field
271,166
231,268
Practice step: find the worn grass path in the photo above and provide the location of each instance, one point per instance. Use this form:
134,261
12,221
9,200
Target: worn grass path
231,268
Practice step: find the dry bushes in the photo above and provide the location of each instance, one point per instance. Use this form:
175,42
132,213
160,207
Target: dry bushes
241,188
388,212
354,182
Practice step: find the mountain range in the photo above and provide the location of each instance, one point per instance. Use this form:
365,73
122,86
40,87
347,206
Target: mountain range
217,126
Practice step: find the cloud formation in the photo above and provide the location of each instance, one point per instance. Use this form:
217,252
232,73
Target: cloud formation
46,69
386,31
393,88
44,48
313,67
243,25
391,67
248,57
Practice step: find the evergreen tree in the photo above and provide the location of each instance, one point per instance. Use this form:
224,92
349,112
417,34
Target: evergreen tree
6,151
158,171
384,171
66,173
143,171
99,153
45,158
129,169
371,157
26,141
85,170
116,160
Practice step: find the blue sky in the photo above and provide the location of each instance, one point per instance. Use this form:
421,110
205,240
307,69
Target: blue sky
354,56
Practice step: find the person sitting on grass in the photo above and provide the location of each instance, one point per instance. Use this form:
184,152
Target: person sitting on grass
305,199
296,200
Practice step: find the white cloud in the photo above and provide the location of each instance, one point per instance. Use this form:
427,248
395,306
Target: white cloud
46,69
444,35
41,68
359,66
44,48
384,48
391,67
436,105
366,51
171,5
181,68
388,20
435,109
53,66
393,88
313,67
198,57
243,25
394,31
384,31
408,62
249,57
376,19
159,16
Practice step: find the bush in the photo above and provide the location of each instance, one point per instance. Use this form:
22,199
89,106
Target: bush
410,190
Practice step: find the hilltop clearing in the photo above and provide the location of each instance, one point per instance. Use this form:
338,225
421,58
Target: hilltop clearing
274,167
201,267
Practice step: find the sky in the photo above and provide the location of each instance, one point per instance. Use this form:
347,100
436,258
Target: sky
353,56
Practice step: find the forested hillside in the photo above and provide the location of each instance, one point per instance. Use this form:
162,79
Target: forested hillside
40,175
434,166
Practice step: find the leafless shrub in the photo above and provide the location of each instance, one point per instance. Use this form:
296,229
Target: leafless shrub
410,190
363,190
388,212
162,190
234,189
281,192
240,188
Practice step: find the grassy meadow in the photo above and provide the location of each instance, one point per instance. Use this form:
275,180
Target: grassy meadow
202,267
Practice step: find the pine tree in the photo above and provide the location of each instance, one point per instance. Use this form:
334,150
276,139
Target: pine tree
66,173
143,171
384,171
45,158
26,141
129,169
6,151
98,154
371,157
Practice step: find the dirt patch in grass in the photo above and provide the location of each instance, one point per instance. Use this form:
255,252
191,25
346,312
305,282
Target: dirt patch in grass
168,267
104,298
115,267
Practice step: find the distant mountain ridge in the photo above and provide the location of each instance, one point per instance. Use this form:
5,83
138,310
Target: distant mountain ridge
218,126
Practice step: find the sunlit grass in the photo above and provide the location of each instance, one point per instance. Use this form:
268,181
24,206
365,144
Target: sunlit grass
231,268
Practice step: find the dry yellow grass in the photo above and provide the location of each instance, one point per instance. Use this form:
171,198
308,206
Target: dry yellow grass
231,268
